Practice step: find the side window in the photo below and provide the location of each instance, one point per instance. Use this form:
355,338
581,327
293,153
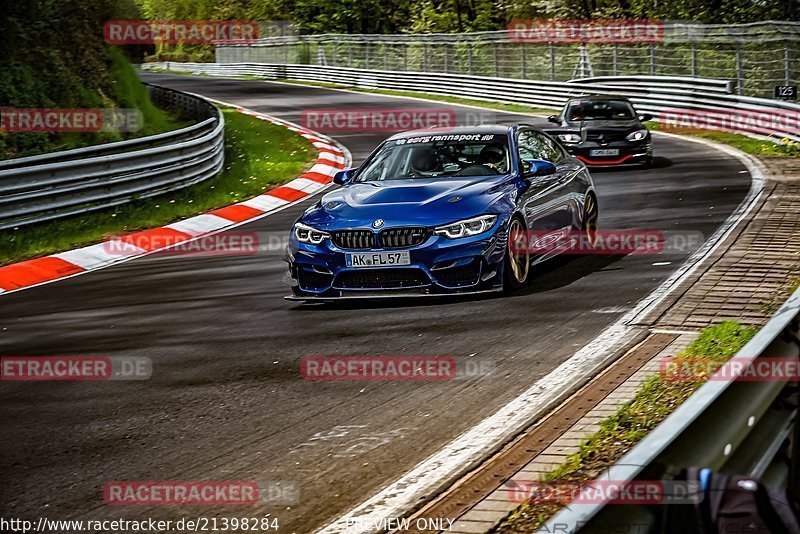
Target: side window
533,145
529,145
553,152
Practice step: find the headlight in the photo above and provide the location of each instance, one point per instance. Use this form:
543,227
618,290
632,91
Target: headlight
638,135
467,227
306,234
570,138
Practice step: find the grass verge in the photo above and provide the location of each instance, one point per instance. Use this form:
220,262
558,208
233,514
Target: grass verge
508,107
498,106
657,398
757,147
258,156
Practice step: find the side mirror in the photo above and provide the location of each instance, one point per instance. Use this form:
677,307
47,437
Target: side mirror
645,117
342,177
537,167
554,119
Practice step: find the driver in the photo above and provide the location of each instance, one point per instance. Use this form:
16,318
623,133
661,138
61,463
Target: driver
423,161
493,155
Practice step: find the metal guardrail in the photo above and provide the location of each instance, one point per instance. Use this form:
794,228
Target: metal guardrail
70,182
655,95
741,427
758,56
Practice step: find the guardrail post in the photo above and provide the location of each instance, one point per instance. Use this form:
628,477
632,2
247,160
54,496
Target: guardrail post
524,66
787,63
446,56
350,53
652,59
366,55
496,61
739,68
469,58
552,61
385,56
425,58
614,59
405,57
694,59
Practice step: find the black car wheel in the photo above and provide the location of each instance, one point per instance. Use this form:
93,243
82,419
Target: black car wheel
517,263
590,216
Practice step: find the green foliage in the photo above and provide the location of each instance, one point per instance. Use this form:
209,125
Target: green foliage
53,55
406,16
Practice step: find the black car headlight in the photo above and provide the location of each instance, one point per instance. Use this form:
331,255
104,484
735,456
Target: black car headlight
466,227
307,234
569,138
638,135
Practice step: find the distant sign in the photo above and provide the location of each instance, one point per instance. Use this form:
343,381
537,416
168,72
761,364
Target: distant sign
786,92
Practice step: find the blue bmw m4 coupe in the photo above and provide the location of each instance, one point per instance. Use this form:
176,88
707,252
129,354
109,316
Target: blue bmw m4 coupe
434,212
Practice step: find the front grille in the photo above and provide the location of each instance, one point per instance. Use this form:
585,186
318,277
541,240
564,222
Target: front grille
353,239
409,236
606,137
465,275
381,279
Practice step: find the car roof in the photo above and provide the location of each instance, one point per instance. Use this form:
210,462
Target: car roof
599,97
479,129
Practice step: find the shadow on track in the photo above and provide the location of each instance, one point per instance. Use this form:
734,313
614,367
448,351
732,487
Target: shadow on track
553,274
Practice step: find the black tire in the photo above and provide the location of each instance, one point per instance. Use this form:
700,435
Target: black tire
516,263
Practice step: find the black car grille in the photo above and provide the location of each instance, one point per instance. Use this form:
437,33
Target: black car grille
310,279
404,237
354,239
464,275
381,279
606,137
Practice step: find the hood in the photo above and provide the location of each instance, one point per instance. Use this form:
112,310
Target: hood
426,202
606,126
599,126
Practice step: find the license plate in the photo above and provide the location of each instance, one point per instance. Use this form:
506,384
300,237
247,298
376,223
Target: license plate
604,152
377,259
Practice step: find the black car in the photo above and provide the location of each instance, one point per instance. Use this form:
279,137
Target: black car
604,131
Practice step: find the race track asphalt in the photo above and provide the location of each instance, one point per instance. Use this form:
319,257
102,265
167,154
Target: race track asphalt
226,400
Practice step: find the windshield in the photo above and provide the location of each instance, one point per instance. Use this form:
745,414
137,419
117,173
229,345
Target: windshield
438,156
605,110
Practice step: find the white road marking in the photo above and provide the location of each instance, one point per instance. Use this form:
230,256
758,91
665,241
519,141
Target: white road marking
100,254
264,202
200,224
304,184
